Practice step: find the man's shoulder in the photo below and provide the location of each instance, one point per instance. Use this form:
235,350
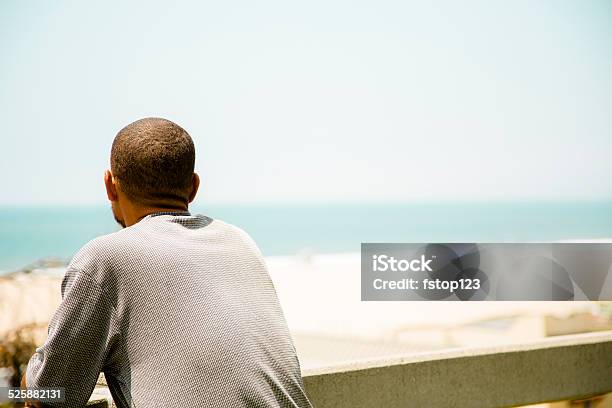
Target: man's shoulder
108,251
237,234
230,229
221,225
99,251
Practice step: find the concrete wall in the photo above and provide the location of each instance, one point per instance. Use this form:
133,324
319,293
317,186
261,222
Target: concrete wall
567,367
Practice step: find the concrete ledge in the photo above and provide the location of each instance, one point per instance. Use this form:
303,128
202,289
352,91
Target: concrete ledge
559,368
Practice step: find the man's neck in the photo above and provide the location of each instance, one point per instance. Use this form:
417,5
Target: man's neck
155,210
136,213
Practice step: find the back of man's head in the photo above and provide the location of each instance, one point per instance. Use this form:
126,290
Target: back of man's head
153,159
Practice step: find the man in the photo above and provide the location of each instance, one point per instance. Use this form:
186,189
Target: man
176,309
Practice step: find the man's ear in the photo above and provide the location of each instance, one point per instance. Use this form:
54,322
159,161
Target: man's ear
195,184
111,188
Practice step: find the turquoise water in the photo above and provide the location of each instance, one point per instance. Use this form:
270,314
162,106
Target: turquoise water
29,234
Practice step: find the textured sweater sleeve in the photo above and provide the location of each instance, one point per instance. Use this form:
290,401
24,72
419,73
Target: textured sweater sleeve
79,337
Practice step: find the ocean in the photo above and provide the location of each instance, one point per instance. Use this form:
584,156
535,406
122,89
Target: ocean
29,234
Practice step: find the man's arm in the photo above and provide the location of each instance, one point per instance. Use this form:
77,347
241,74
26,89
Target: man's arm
80,334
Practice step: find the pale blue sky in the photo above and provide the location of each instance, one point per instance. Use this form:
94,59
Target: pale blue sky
316,100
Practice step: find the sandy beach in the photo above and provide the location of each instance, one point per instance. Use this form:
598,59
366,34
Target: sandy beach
28,299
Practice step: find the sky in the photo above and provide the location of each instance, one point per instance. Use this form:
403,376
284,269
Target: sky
314,101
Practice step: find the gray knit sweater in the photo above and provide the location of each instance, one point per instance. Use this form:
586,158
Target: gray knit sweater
177,310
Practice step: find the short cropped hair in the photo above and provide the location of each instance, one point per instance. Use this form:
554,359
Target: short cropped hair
153,159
